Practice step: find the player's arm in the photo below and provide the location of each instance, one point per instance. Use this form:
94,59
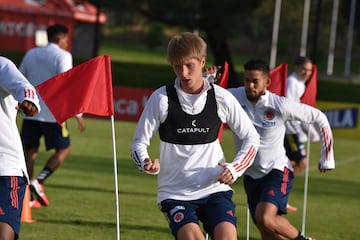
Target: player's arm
244,130
147,125
13,81
311,115
81,122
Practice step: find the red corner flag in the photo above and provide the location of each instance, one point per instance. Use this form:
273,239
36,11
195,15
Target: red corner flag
309,96
86,88
278,77
223,82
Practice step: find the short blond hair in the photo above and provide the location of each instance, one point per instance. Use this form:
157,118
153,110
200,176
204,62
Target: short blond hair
184,46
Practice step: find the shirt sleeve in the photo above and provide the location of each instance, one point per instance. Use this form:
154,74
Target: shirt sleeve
16,84
238,121
307,114
147,125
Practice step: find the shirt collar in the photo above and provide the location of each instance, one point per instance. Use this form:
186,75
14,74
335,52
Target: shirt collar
263,100
205,88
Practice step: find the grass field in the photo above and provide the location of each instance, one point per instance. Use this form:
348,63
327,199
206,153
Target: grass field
81,193
82,197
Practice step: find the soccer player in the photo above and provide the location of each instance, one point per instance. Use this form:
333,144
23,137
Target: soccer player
296,132
38,65
16,93
269,180
193,175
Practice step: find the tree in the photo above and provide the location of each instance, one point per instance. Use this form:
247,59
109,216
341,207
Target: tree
215,20
251,21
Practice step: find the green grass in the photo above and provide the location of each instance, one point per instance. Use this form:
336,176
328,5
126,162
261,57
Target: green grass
81,193
82,198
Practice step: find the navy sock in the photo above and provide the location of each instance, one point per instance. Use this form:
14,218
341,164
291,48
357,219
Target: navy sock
44,174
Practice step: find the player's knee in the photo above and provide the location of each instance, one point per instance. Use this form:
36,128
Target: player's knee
265,221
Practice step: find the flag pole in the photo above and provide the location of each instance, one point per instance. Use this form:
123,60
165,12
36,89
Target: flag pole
115,179
306,184
247,223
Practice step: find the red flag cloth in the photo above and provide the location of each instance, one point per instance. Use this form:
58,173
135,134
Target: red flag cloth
278,77
86,88
309,96
223,82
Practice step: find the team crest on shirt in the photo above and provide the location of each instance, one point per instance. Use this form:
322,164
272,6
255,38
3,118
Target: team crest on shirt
178,217
269,114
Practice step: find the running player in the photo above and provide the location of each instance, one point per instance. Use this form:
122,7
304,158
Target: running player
269,180
193,175
16,93
38,65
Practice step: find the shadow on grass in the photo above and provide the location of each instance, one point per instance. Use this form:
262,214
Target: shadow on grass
78,188
99,224
93,189
100,164
145,228
77,222
328,187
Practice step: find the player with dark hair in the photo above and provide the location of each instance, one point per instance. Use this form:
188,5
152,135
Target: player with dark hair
296,132
269,180
38,65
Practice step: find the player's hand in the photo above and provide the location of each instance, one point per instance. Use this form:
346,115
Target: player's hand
151,167
212,70
81,123
226,176
28,108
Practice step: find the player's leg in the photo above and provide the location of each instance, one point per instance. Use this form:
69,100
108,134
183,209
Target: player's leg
6,231
30,136
56,137
300,166
254,189
182,218
225,230
31,154
12,191
272,205
218,216
55,161
296,152
190,231
271,225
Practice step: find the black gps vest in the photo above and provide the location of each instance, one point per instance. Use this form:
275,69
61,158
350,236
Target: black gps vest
182,128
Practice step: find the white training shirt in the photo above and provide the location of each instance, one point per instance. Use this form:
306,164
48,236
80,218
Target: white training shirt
189,172
41,63
295,88
14,88
269,115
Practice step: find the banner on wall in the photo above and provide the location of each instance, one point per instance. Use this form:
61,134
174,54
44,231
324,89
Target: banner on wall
130,102
344,118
